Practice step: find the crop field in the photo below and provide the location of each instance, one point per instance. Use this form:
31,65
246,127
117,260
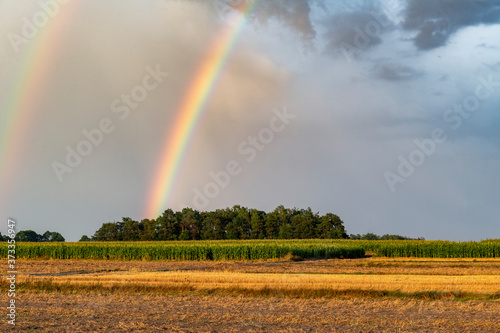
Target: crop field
189,250
255,250
286,286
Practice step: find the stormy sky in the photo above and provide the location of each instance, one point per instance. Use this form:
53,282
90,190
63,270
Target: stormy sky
386,113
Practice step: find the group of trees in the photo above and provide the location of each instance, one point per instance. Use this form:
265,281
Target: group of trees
230,223
32,236
371,236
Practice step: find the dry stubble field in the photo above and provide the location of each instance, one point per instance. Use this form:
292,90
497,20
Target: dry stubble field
360,295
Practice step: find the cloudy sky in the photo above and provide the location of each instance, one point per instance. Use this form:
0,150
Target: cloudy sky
388,111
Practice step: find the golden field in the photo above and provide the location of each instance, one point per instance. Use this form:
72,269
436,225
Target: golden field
211,282
330,295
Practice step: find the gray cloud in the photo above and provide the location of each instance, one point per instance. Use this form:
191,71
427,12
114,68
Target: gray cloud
436,21
293,14
397,72
356,29
353,118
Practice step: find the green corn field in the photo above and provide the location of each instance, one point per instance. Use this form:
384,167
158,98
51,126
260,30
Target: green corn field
188,250
440,249
254,249
430,249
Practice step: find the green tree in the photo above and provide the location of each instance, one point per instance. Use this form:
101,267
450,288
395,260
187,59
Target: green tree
190,222
241,222
52,237
257,224
168,225
184,235
286,231
131,230
213,227
330,227
108,232
84,238
149,230
28,236
271,224
370,236
231,223
303,223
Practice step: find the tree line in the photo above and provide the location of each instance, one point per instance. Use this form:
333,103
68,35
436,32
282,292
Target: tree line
230,223
32,236
372,236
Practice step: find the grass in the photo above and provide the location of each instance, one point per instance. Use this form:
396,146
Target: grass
416,278
187,289
120,312
285,283
222,250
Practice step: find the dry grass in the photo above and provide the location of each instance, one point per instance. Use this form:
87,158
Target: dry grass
376,266
364,295
55,312
217,281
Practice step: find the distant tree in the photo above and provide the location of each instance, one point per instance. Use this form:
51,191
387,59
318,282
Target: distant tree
184,235
52,237
213,227
189,220
398,237
231,223
330,227
304,223
284,215
285,231
257,224
28,236
239,227
149,230
168,225
32,236
271,224
85,238
131,230
372,236
108,232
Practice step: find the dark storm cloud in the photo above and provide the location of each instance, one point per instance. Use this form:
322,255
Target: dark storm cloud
436,21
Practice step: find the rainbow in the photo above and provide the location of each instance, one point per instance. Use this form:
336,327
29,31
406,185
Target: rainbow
190,110
27,92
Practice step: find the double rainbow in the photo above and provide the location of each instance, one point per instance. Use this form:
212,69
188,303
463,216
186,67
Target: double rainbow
190,110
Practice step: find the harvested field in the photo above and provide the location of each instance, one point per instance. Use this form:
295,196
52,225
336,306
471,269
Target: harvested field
373,265
56,312
334,295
